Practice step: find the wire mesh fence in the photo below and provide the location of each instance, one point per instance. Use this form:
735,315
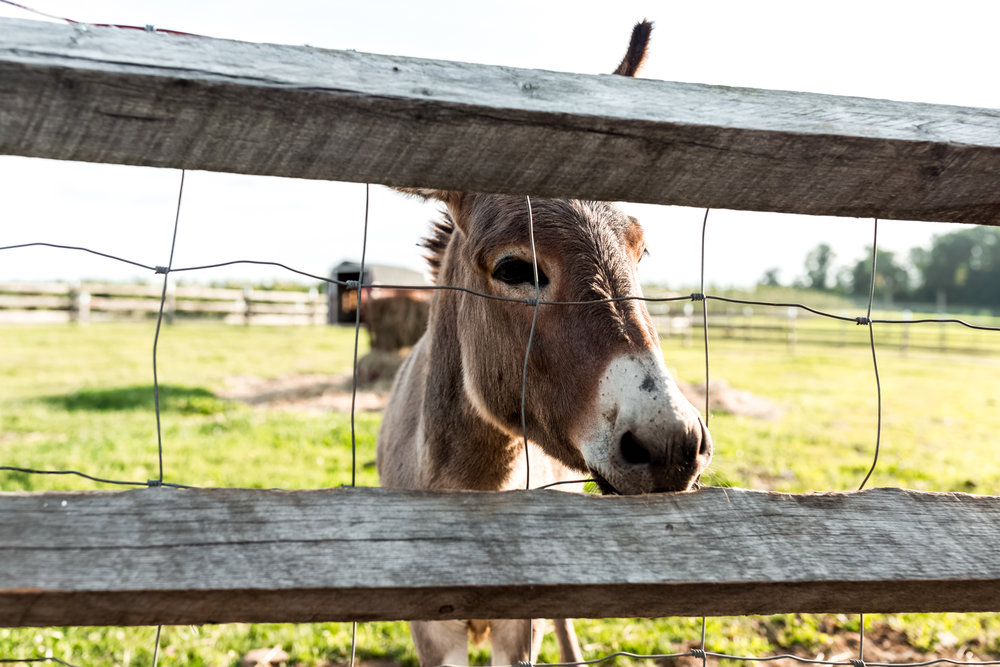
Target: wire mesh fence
536,303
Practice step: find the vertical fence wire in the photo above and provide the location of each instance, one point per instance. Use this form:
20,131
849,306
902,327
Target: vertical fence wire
871,338
159,321
524,377
527,351
156,381
704,322
357,335
354,381
861,638
156,646
704,311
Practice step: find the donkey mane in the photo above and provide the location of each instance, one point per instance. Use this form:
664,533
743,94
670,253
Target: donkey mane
437,243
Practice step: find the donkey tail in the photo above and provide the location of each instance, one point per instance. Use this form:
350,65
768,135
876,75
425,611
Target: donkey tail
569,646
636,53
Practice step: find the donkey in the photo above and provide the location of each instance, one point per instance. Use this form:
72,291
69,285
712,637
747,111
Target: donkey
599,398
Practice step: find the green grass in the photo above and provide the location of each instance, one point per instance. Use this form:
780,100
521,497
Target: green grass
81,398
938,415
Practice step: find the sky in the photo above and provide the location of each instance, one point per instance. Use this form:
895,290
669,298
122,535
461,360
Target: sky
911,50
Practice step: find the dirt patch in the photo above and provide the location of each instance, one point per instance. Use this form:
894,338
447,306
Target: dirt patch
883,644
315,392
724,398
319,393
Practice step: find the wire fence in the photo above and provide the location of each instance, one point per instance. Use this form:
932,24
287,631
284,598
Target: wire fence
535,303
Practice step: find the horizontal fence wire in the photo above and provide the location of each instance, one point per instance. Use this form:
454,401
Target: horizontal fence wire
530,301
536,303
698,653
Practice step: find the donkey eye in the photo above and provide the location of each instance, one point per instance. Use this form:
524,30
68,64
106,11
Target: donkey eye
518,272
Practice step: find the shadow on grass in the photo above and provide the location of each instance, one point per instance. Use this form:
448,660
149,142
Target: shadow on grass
173,398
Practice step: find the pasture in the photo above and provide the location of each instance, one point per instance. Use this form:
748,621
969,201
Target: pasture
80,397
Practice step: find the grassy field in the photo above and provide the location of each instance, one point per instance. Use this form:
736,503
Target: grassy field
81,398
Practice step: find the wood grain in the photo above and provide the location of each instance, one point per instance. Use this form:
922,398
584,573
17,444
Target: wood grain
167,556
128,97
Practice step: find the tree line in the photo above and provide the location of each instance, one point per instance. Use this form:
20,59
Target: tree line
961,268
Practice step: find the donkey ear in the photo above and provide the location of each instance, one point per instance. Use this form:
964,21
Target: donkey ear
636,53
454,200
449,197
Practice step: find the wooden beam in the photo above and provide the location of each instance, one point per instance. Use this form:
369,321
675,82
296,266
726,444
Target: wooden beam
128,97
164,556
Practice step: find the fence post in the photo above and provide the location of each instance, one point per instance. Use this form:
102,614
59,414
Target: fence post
79,309
170,303
792,314
247,305
942,305
904,340
688,313
316,315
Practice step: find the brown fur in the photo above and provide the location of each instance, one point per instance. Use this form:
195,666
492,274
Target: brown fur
454,419
635,56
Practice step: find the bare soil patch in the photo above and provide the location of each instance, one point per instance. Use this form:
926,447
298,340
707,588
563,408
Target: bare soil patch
883,644
725,398
317,392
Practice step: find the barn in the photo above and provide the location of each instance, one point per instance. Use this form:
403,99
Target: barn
342,300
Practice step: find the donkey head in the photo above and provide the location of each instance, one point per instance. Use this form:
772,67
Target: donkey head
598,394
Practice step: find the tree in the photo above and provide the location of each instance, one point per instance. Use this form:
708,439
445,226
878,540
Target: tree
892,280
818,263
770,278
963,266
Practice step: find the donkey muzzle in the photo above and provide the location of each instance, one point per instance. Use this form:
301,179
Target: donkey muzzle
648,437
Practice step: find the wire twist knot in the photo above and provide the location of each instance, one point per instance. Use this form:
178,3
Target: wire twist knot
522,663
154,482
162,270
531,301
698,653
698,296
352,284
857,662
863,321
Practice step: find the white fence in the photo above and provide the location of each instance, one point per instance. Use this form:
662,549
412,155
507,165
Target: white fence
38,303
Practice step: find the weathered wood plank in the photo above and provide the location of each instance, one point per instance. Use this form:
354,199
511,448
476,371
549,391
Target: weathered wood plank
155,556
107,95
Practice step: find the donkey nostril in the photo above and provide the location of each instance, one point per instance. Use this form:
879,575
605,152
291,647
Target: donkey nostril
632,450
705,447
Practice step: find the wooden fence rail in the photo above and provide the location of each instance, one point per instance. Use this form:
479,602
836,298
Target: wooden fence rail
201,556
128,97
61,302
